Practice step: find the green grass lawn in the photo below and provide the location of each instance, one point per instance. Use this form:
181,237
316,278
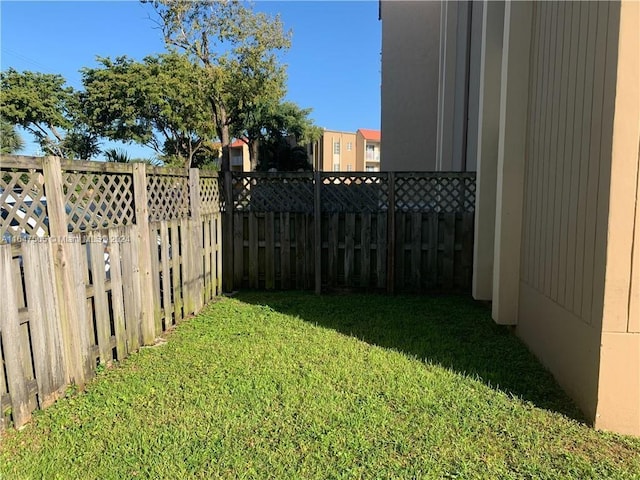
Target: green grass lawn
291,385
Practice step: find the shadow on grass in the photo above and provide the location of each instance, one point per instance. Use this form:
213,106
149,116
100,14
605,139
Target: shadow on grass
452,331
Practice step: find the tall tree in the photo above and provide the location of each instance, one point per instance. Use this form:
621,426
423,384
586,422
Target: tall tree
159,102
45,107
236,47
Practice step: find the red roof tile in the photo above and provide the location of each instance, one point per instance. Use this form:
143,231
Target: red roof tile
237,143
372,135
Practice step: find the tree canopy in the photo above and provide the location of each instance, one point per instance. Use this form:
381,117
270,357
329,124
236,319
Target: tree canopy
236,47
159,102
45,107
221,79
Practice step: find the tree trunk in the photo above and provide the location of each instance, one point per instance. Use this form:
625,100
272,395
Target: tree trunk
253,154
225,140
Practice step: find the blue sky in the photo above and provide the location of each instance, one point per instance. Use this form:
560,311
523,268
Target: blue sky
333,64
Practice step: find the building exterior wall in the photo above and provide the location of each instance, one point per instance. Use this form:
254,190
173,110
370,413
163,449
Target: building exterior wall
619,380
571,96
352,156
329,160
410,58
487,134
367,153
453,91
557,142
239,157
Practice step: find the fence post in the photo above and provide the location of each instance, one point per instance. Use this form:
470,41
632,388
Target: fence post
71,292
227,233
145,247
391,233
196,249
317,214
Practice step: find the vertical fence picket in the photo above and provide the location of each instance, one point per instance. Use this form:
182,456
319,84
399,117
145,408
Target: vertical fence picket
100,303
156,272
391,233
269,251
433,252
285,250
253,251
381,250
349,247
219,253
12,344
166,277
132,291
207,258
146,249
300,225
365,250
238,250
317,231
334,223
416,250
229,233
45,328
119,236
176,267
448,250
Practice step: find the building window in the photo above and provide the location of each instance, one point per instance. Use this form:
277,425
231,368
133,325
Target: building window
336,167
349,167
370,153
370,168
349,146
336,148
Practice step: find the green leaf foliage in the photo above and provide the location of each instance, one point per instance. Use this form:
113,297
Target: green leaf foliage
45,107
159,102
236,47
10,139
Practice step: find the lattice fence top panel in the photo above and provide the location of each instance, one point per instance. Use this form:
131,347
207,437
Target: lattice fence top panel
437,192
440,192
168,196
209,195
354,193
96,200
273,193
23,206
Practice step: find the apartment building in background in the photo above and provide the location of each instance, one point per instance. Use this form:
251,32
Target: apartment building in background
338,151
239,156
368,149
542,99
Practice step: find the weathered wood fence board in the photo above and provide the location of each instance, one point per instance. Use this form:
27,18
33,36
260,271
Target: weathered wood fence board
110,258
287,226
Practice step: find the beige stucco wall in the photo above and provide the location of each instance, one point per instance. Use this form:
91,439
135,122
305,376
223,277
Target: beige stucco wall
346,159
243,153
360,143
410,58
361,153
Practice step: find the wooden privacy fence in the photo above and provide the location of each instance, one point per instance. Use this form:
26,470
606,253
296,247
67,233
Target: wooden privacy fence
387,231
96,260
